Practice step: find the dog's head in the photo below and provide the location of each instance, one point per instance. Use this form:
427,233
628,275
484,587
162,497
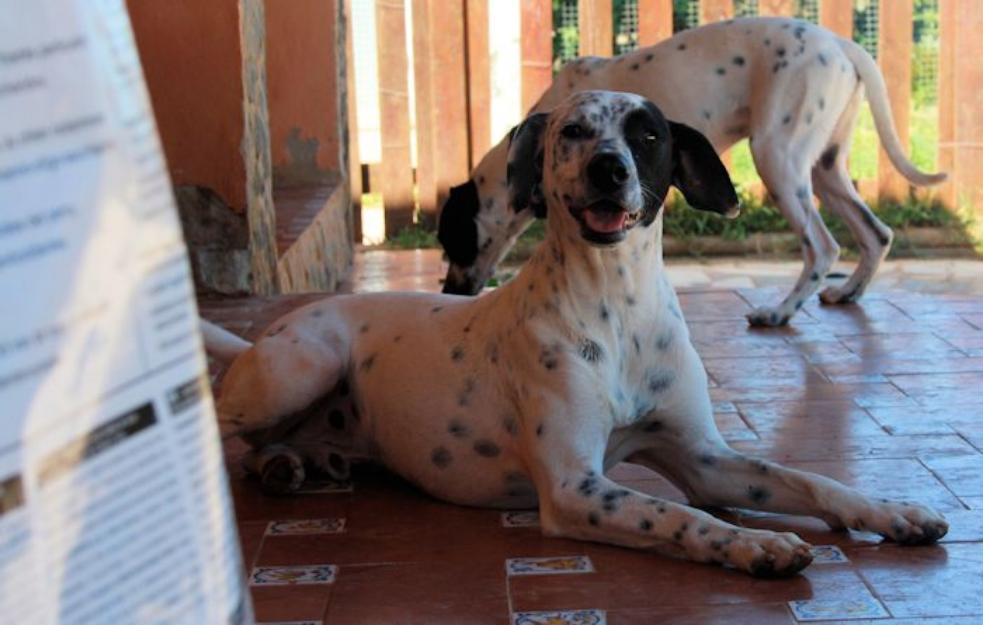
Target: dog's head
603,162
478,226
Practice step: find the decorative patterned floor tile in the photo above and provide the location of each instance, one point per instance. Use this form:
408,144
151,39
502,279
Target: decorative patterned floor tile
566,617
829,609
316,487
557,565
289,575
305,526
520,518
828,554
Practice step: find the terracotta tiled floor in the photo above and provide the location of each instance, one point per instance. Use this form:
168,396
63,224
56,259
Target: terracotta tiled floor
884,396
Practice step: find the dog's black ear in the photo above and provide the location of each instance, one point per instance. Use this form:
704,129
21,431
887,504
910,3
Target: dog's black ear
699,173
525,165
457,230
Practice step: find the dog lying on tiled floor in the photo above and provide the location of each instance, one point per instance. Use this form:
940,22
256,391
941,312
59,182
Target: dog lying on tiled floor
525,396
794,88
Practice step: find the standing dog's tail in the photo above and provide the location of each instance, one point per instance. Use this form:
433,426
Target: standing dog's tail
220,343
870,75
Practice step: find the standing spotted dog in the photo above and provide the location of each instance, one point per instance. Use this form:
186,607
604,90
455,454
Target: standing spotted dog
793,88
528,394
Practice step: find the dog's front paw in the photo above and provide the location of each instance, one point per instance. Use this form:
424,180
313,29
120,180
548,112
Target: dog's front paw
904,523
768,317
761,553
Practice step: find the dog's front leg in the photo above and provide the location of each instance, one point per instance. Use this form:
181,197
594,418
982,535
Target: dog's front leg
588,506
716,475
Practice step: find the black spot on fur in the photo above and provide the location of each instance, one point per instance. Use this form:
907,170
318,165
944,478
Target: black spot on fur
822,59
757,494
708,460
649,57
681,46
457,353
336,419
828,159
706,115
604,312
814,277
458,429
436,309
645,525
364,328
660,382
594,519
636,343
368,362
634,66
767,41
653,426
806,242
587,486
802,193
721,71
786,119
738,61
664,341
441,457
317,312
590,350
539,430
486,448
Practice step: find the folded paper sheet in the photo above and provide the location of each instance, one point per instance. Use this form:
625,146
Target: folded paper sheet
114,502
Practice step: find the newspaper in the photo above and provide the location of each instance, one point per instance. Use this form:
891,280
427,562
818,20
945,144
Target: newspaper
114,502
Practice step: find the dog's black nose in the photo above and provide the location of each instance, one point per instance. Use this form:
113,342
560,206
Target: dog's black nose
607,171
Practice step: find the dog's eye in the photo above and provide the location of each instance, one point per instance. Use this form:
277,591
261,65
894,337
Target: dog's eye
573,131
650,136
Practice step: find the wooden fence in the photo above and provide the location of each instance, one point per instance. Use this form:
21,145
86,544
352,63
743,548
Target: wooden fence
451,72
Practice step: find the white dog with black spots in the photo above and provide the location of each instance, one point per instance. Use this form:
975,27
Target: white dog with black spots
527,395
793,88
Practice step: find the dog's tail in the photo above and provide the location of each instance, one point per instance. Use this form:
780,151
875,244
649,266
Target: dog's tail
871,76
220,343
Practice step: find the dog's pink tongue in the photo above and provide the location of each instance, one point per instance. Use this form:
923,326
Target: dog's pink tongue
605,222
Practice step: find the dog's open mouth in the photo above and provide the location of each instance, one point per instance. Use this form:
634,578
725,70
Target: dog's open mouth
607,221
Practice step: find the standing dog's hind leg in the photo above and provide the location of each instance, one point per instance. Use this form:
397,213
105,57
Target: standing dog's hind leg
874,238
790,186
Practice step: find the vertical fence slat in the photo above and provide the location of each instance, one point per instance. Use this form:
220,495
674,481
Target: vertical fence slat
780,8
947,99
395,175
479,79
596,21
894,55
426,185
837,15
960,101
654,21
716,10
354,158
450,95
536,28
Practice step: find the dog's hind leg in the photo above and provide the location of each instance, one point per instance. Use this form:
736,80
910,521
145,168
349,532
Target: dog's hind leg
831,180
786,175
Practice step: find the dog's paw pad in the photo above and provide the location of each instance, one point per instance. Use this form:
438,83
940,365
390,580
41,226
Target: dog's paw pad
282,474
833,295
767,317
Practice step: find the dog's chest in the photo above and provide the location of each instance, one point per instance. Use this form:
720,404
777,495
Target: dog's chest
637,356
